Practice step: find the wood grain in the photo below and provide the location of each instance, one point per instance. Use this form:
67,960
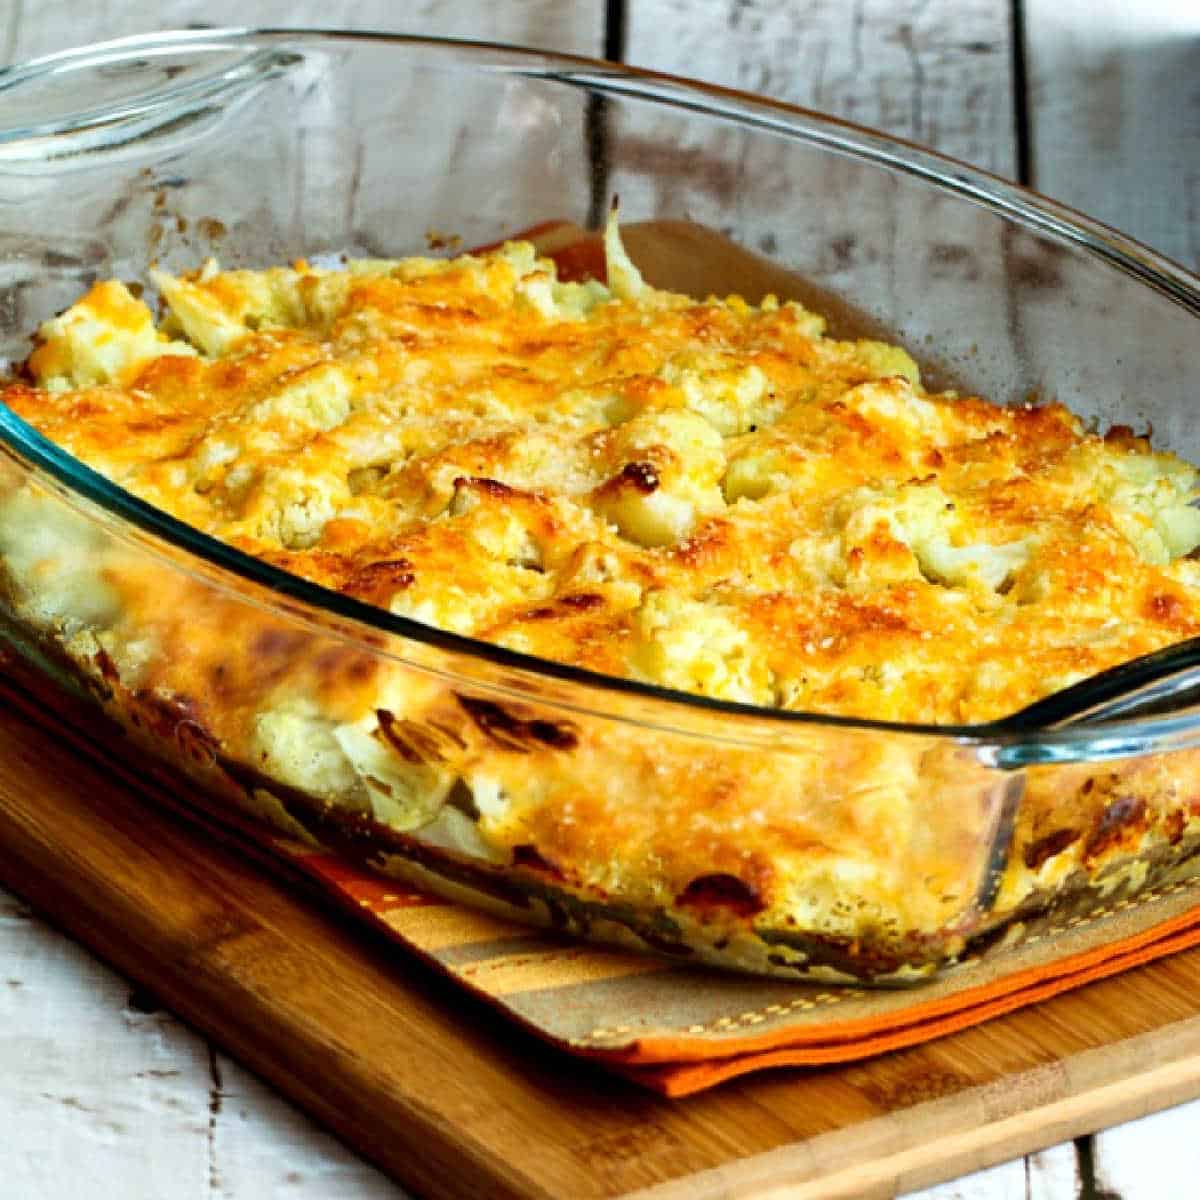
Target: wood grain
455,1102
102,1084
1124,1156
159,1069
30,28
937,74
1114,106
1050,1174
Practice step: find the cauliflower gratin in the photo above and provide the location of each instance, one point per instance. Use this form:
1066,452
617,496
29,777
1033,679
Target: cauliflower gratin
707,495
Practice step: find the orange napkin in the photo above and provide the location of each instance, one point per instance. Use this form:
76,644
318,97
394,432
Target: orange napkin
680,1030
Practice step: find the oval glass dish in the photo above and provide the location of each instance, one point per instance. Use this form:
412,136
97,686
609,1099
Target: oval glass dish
794,844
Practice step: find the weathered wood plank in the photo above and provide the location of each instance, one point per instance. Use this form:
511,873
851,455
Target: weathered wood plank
934,73
93,1088
1053,1174
33,28
1115,115
1007,1179
101,1085
263,1146
1158,1156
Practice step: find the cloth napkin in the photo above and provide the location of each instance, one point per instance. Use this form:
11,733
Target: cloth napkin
679,1030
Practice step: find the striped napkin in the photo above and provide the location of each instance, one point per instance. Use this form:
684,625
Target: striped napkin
679,1030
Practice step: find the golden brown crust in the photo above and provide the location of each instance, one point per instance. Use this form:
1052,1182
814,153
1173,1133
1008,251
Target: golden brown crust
450,443
701,494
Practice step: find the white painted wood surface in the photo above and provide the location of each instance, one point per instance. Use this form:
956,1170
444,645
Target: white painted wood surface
1129,1159
1114,90
938,73
103,1093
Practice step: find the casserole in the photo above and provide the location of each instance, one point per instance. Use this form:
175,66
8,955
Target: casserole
836,848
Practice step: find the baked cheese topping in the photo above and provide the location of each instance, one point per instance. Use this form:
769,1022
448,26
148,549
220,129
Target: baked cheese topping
703,494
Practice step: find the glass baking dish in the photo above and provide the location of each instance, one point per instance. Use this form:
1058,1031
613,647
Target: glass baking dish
800,845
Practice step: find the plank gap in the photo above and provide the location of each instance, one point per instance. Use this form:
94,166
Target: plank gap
1085,1151
1115,115
216,1095
615,36
1022,126
614,30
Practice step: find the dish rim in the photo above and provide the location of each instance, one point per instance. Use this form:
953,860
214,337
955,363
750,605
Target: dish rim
1030,736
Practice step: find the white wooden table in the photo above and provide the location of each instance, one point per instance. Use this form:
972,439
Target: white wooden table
1094,102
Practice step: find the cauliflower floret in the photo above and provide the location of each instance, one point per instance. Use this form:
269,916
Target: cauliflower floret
560,301
753,475
403,795
297,746
961,565
214,310
672,466
316,398
98,340
288,505
696,647
1151,498
624,279
733,398
913,532
893,404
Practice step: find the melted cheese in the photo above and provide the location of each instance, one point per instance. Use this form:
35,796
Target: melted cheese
702,494
784,519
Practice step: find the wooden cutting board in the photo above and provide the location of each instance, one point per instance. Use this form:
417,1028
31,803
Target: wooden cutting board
456,1102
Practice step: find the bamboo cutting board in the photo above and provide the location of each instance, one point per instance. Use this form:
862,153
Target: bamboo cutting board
456,1102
